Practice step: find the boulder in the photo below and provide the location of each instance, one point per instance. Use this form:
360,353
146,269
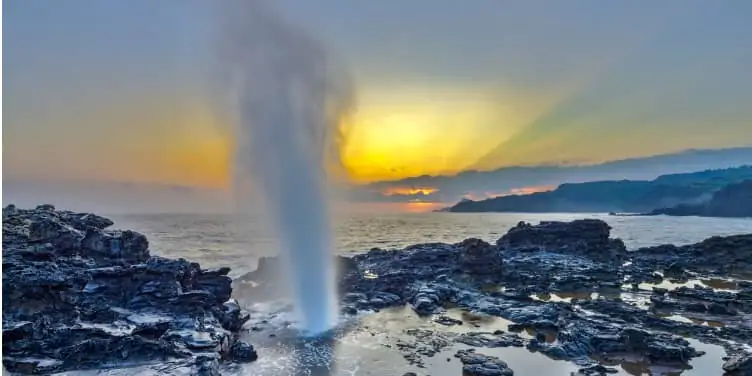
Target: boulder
476,364
588,237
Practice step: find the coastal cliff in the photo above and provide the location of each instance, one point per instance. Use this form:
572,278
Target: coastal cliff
666,191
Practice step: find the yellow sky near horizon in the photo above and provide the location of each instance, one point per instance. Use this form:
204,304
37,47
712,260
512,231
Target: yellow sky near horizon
403,132
162,138
394,133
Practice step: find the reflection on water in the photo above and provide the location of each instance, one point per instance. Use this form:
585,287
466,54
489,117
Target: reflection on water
709,364
565,296
710,323
670,285
686,318
521,361
627,295
717,284
677,318
367,345
350,349
721,284
477,321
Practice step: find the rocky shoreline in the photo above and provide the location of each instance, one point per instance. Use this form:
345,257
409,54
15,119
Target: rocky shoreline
615,311
79,296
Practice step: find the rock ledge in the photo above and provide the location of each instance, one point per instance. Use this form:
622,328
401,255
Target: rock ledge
79,296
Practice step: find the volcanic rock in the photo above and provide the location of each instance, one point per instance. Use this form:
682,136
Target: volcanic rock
476,364
478,257
718,255
587,237
78,296
739,365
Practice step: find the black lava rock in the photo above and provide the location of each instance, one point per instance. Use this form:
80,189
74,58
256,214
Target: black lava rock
78,296
476,364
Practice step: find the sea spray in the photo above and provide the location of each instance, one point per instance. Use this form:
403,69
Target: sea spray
287,103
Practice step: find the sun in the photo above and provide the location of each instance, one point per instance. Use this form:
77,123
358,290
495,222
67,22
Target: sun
400,134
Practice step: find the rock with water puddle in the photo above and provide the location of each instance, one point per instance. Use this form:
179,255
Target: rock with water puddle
579,259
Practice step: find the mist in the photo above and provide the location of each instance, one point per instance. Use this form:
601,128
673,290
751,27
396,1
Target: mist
286,101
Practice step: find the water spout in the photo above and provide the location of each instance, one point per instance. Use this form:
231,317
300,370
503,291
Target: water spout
287,103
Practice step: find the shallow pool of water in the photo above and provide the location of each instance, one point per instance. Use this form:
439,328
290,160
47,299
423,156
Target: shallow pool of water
369,344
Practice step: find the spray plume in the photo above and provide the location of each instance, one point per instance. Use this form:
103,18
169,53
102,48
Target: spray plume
288,102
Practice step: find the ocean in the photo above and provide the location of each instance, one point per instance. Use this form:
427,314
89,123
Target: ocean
216,240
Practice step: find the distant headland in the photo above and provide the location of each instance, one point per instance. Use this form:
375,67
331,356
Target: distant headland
717,193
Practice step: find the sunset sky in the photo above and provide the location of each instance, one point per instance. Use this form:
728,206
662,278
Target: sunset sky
123,91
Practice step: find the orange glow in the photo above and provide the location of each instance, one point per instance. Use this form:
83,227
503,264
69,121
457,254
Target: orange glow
390,207
421,207
399,132
408,191
477,196
530,190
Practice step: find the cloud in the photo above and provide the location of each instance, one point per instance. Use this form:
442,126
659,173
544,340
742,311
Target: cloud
530,179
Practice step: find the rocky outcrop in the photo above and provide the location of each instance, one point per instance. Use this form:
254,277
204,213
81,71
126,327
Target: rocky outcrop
721,255
77,296
587,237
578,259
477,364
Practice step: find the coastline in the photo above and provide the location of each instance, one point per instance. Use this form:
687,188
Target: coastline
508,279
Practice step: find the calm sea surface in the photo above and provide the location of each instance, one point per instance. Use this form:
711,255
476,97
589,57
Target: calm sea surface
226,240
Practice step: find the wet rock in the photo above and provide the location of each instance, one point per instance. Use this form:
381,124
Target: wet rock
574,260
588,237
597,369
718,255
537,325
128,246
657,347
721,309
232,316
476,364
426,343
34,366
349,310
481,339
243,352
78,296
479,258
446,320
206,366
430,298
738,365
